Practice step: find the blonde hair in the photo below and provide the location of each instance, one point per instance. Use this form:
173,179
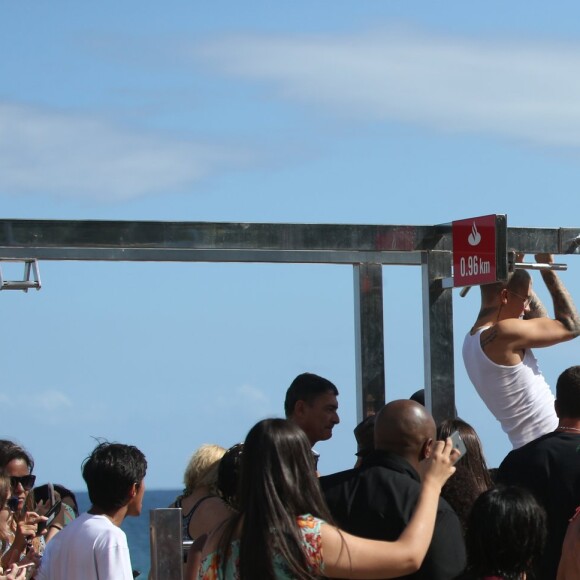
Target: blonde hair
5,492
202,469
5,488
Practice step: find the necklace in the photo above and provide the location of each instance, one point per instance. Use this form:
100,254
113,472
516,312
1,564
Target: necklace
564,428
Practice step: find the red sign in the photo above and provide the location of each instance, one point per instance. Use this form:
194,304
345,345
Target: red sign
474,251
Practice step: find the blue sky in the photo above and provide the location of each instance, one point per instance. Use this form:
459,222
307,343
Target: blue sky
313,112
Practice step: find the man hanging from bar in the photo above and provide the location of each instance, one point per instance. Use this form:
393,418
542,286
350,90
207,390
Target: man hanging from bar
497,350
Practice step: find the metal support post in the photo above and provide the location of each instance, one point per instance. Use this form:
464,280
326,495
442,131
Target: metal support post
166,544
438,335
369,339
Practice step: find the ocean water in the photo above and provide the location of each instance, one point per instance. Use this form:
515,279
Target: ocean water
137,529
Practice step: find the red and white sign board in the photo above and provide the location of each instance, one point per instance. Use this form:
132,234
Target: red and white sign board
474,251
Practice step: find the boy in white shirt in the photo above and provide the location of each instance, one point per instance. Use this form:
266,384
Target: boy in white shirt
93,546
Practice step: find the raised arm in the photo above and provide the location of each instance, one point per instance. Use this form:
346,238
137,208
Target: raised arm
564,307
536,308
347,556
537,329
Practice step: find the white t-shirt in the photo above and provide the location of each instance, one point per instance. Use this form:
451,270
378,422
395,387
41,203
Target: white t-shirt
89,548
518,396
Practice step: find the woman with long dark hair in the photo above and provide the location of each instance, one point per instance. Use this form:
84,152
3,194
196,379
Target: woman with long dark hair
284,530
16,573
471,477
18,465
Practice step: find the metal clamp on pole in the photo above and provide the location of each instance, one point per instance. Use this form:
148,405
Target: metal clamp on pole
30,269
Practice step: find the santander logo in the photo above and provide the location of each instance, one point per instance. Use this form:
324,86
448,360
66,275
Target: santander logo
474,237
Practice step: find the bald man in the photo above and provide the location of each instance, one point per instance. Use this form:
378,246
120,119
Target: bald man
377,499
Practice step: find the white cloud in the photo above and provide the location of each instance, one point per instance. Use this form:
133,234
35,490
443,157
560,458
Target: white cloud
246,399
252,394
522,90
40,403
49,152
50,401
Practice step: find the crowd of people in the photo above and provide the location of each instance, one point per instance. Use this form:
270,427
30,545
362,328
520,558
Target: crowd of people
420,501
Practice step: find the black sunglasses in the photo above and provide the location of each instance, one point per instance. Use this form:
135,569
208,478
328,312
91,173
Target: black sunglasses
26,481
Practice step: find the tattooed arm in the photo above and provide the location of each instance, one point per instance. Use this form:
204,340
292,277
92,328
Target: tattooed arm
542,331
536,308
564,308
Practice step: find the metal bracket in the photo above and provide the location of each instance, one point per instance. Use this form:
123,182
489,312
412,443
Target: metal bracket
30,269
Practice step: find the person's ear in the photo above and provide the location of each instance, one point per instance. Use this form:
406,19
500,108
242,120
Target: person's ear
503,296
426,449
299,408
557,407
133,491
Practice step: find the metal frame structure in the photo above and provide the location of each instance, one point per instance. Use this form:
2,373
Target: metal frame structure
366,247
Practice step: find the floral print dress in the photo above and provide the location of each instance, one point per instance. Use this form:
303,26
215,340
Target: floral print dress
211,565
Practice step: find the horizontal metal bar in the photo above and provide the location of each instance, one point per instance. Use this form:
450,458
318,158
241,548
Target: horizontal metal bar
19,285
544,240
532,266
249,242
212,235
172,255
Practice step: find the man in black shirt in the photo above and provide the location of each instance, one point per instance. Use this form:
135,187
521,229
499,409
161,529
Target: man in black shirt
550,468
377,499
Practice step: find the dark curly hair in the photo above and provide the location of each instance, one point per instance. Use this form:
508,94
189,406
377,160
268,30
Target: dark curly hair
110,471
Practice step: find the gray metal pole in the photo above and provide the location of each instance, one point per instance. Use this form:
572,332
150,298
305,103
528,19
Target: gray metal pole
369,339
166,544
438,335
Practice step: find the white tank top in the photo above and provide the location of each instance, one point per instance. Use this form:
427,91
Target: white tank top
518,396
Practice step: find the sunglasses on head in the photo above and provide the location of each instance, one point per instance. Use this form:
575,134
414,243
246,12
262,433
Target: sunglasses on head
26,481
